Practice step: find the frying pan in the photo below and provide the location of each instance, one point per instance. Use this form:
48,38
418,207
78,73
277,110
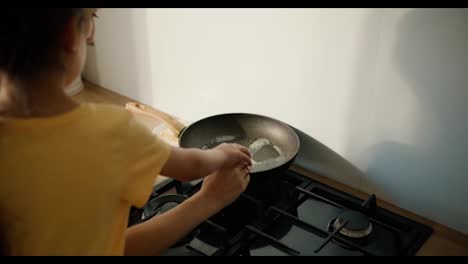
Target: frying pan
270,158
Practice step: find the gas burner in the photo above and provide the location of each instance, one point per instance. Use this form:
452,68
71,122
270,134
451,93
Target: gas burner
358,225
163,204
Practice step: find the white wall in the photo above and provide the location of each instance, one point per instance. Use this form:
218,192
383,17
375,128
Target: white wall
121,58
383,88
417,154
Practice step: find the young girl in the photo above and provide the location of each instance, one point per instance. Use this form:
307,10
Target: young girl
70,173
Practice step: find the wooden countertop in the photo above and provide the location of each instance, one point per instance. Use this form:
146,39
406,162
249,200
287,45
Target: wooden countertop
443,242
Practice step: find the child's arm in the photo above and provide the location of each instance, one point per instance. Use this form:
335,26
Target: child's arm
160,232
191,164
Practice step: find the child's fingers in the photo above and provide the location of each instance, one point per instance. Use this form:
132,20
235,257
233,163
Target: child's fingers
244,158
243,149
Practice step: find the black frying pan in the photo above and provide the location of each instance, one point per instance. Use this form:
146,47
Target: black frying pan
274,143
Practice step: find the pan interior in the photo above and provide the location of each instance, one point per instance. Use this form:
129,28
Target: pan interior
271,142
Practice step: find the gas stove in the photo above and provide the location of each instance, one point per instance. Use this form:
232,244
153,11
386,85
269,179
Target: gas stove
303,217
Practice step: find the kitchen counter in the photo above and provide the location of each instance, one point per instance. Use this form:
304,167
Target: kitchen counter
444,241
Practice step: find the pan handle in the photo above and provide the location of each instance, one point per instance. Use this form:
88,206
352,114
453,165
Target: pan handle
147,110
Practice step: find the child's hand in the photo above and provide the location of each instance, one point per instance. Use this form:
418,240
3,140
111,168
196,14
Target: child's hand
234,154
190,164
224,186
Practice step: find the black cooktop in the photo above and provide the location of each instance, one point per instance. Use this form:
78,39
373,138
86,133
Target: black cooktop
304,217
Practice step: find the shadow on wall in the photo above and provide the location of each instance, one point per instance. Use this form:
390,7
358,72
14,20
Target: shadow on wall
318,158
120,59
430,177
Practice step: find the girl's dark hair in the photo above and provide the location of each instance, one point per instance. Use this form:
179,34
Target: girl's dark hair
30,38
29,43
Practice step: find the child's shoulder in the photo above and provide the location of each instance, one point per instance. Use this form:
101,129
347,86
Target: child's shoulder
111,111
108,114
105,108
